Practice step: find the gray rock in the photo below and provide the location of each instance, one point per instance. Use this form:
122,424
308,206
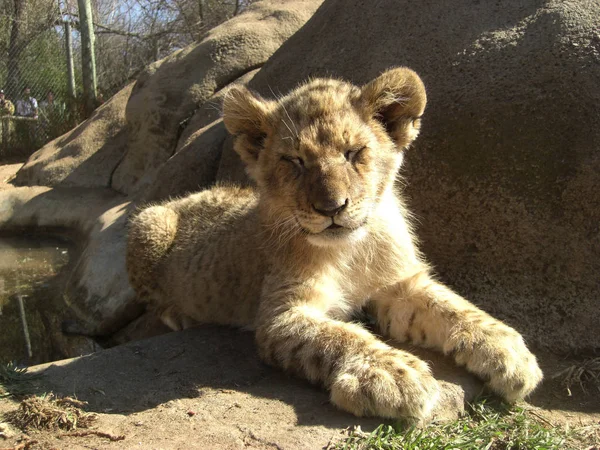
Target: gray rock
504,178
133,150
126,141
98,290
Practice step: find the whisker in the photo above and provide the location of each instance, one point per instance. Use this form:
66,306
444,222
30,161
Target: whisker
288,127
278,98
288,116
283,226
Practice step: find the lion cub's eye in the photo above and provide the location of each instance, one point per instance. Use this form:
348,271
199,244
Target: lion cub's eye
297,161
352,154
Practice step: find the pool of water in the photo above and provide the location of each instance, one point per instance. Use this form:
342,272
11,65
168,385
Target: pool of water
32,281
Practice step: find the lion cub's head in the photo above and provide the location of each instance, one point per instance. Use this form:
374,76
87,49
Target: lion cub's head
324,154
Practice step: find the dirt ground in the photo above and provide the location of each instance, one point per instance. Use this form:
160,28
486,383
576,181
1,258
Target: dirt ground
577,406
205,388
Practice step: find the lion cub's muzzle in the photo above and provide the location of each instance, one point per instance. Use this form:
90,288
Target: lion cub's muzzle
334,221
330,207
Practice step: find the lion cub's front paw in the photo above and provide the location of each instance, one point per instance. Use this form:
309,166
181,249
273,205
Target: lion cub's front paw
518,373
386,383
505,361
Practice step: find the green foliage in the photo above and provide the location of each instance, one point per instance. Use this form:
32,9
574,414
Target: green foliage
43,65
484,427
15,380
43,68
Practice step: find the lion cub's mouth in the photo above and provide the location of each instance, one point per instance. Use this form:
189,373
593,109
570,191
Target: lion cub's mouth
336,234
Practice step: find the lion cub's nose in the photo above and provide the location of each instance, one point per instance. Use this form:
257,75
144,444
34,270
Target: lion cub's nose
330,208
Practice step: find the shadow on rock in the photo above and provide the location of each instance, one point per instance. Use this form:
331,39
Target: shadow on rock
216,366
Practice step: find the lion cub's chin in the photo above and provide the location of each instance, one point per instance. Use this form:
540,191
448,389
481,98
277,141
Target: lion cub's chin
337,237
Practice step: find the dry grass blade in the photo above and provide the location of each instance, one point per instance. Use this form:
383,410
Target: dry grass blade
109,436
583,374
23,446
50,413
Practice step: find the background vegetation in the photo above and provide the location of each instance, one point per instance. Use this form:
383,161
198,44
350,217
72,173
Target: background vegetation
130,34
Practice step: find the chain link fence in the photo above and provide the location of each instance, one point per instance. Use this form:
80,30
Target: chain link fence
39,76
41,57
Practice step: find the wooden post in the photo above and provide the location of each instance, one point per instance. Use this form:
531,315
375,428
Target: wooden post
24,326
70,67
87,55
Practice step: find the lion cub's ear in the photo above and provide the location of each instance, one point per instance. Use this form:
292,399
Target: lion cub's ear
397,99
246,116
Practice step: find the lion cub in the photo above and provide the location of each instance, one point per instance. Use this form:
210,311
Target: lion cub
322,235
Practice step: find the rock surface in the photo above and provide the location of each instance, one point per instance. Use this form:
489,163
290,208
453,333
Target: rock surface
98,290
113,161
205,388
128,139
210,379
504,178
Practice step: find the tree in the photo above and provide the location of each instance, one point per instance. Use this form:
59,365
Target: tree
24,21
133,33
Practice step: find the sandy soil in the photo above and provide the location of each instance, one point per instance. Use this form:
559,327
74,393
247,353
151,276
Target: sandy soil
206,388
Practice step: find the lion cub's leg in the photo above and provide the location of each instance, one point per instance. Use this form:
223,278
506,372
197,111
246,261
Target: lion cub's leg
430,314
176,320
365,376
151,235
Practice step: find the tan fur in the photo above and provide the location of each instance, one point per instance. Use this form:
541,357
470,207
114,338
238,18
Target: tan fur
328,153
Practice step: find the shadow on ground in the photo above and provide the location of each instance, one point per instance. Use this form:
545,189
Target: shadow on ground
553,393
206,362
206,388
218,368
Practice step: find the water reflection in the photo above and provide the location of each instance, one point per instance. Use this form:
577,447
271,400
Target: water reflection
31,297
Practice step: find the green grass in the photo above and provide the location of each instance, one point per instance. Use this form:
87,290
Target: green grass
39,412
486,426
15,381
48,412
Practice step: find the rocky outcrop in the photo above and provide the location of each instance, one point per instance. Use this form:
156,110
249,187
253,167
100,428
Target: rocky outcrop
98,290
164,126
127,140
503,178
210,382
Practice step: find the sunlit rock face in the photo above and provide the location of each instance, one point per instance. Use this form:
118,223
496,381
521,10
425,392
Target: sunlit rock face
503,179
159,136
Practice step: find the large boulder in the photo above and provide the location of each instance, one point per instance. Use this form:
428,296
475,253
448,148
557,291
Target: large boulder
127,140
98,290
159,136
504,178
